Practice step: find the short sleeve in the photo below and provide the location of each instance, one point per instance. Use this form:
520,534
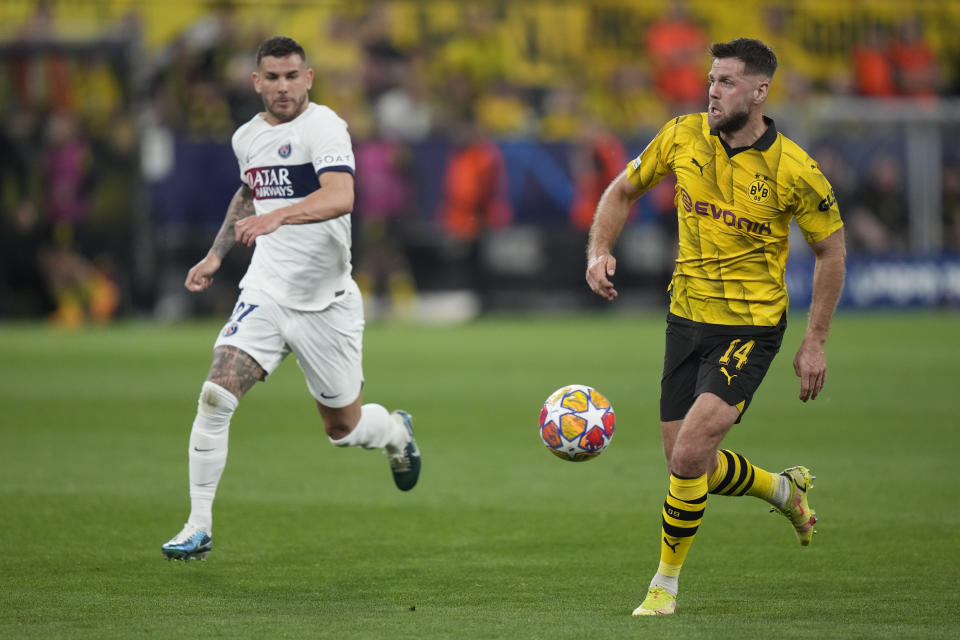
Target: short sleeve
653,163
236,143
330,145
817,211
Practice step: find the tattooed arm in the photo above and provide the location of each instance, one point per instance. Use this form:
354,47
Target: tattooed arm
200,275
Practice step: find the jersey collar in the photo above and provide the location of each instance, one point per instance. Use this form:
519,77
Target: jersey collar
762,143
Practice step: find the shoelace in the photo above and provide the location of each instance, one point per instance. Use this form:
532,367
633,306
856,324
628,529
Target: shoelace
399,462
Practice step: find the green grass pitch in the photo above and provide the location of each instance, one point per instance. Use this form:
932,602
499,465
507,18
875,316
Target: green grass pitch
500,539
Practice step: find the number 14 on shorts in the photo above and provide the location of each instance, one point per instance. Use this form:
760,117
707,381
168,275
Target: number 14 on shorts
739,354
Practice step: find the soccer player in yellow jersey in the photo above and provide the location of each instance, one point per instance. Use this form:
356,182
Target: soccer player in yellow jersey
739,182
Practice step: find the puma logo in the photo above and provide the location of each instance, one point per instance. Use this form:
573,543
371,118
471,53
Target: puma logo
730,378
697,165
673,547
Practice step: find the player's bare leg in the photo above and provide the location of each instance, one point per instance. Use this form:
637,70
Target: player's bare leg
371,426
669,430
339,422
234,370
232,374
701,431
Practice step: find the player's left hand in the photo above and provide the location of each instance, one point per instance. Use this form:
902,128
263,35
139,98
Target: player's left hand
810,364
250,228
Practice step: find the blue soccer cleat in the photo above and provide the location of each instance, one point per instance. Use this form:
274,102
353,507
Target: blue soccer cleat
405,464
191,542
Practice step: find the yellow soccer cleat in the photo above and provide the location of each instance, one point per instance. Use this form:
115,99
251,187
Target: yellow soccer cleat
797,510
659,602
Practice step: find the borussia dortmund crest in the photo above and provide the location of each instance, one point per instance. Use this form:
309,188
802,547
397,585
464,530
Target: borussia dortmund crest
759,191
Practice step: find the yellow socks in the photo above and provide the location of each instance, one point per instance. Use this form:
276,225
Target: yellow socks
682,513
736,476
687,499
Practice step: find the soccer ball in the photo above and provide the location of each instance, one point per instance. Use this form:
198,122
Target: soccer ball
576,423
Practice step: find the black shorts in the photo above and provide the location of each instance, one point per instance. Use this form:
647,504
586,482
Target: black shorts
727,360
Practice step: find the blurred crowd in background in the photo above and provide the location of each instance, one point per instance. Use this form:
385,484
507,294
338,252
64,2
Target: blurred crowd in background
484,134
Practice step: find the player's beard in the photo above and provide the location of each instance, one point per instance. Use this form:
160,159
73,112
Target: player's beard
281,117
732,123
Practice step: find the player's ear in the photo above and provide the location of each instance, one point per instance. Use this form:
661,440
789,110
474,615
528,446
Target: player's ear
309,78
760,91
256,81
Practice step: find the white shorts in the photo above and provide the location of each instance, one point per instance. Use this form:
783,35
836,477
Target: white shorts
328,344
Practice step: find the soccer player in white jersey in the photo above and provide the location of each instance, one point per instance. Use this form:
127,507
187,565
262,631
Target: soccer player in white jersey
297,168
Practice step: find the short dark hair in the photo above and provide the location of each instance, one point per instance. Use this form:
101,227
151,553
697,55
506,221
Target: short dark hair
279,47
757,57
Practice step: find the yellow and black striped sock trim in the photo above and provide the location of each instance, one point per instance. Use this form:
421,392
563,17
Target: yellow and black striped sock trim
734,475
681,518
682,513
737,476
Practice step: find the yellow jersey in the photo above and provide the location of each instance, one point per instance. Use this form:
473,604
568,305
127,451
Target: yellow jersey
734,208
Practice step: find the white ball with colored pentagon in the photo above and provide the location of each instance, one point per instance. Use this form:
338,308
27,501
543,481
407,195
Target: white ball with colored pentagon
577,423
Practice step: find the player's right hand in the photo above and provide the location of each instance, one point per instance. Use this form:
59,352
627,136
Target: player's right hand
599,271
200,275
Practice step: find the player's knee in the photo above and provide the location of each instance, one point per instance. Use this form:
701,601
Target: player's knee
681,465
337,429
687,460
216,400
338,423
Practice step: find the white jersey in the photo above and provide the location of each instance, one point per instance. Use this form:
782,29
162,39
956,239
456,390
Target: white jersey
302,266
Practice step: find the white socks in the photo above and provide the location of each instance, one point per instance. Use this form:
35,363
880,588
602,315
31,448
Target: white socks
377,429
208,450
782,493
670,583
